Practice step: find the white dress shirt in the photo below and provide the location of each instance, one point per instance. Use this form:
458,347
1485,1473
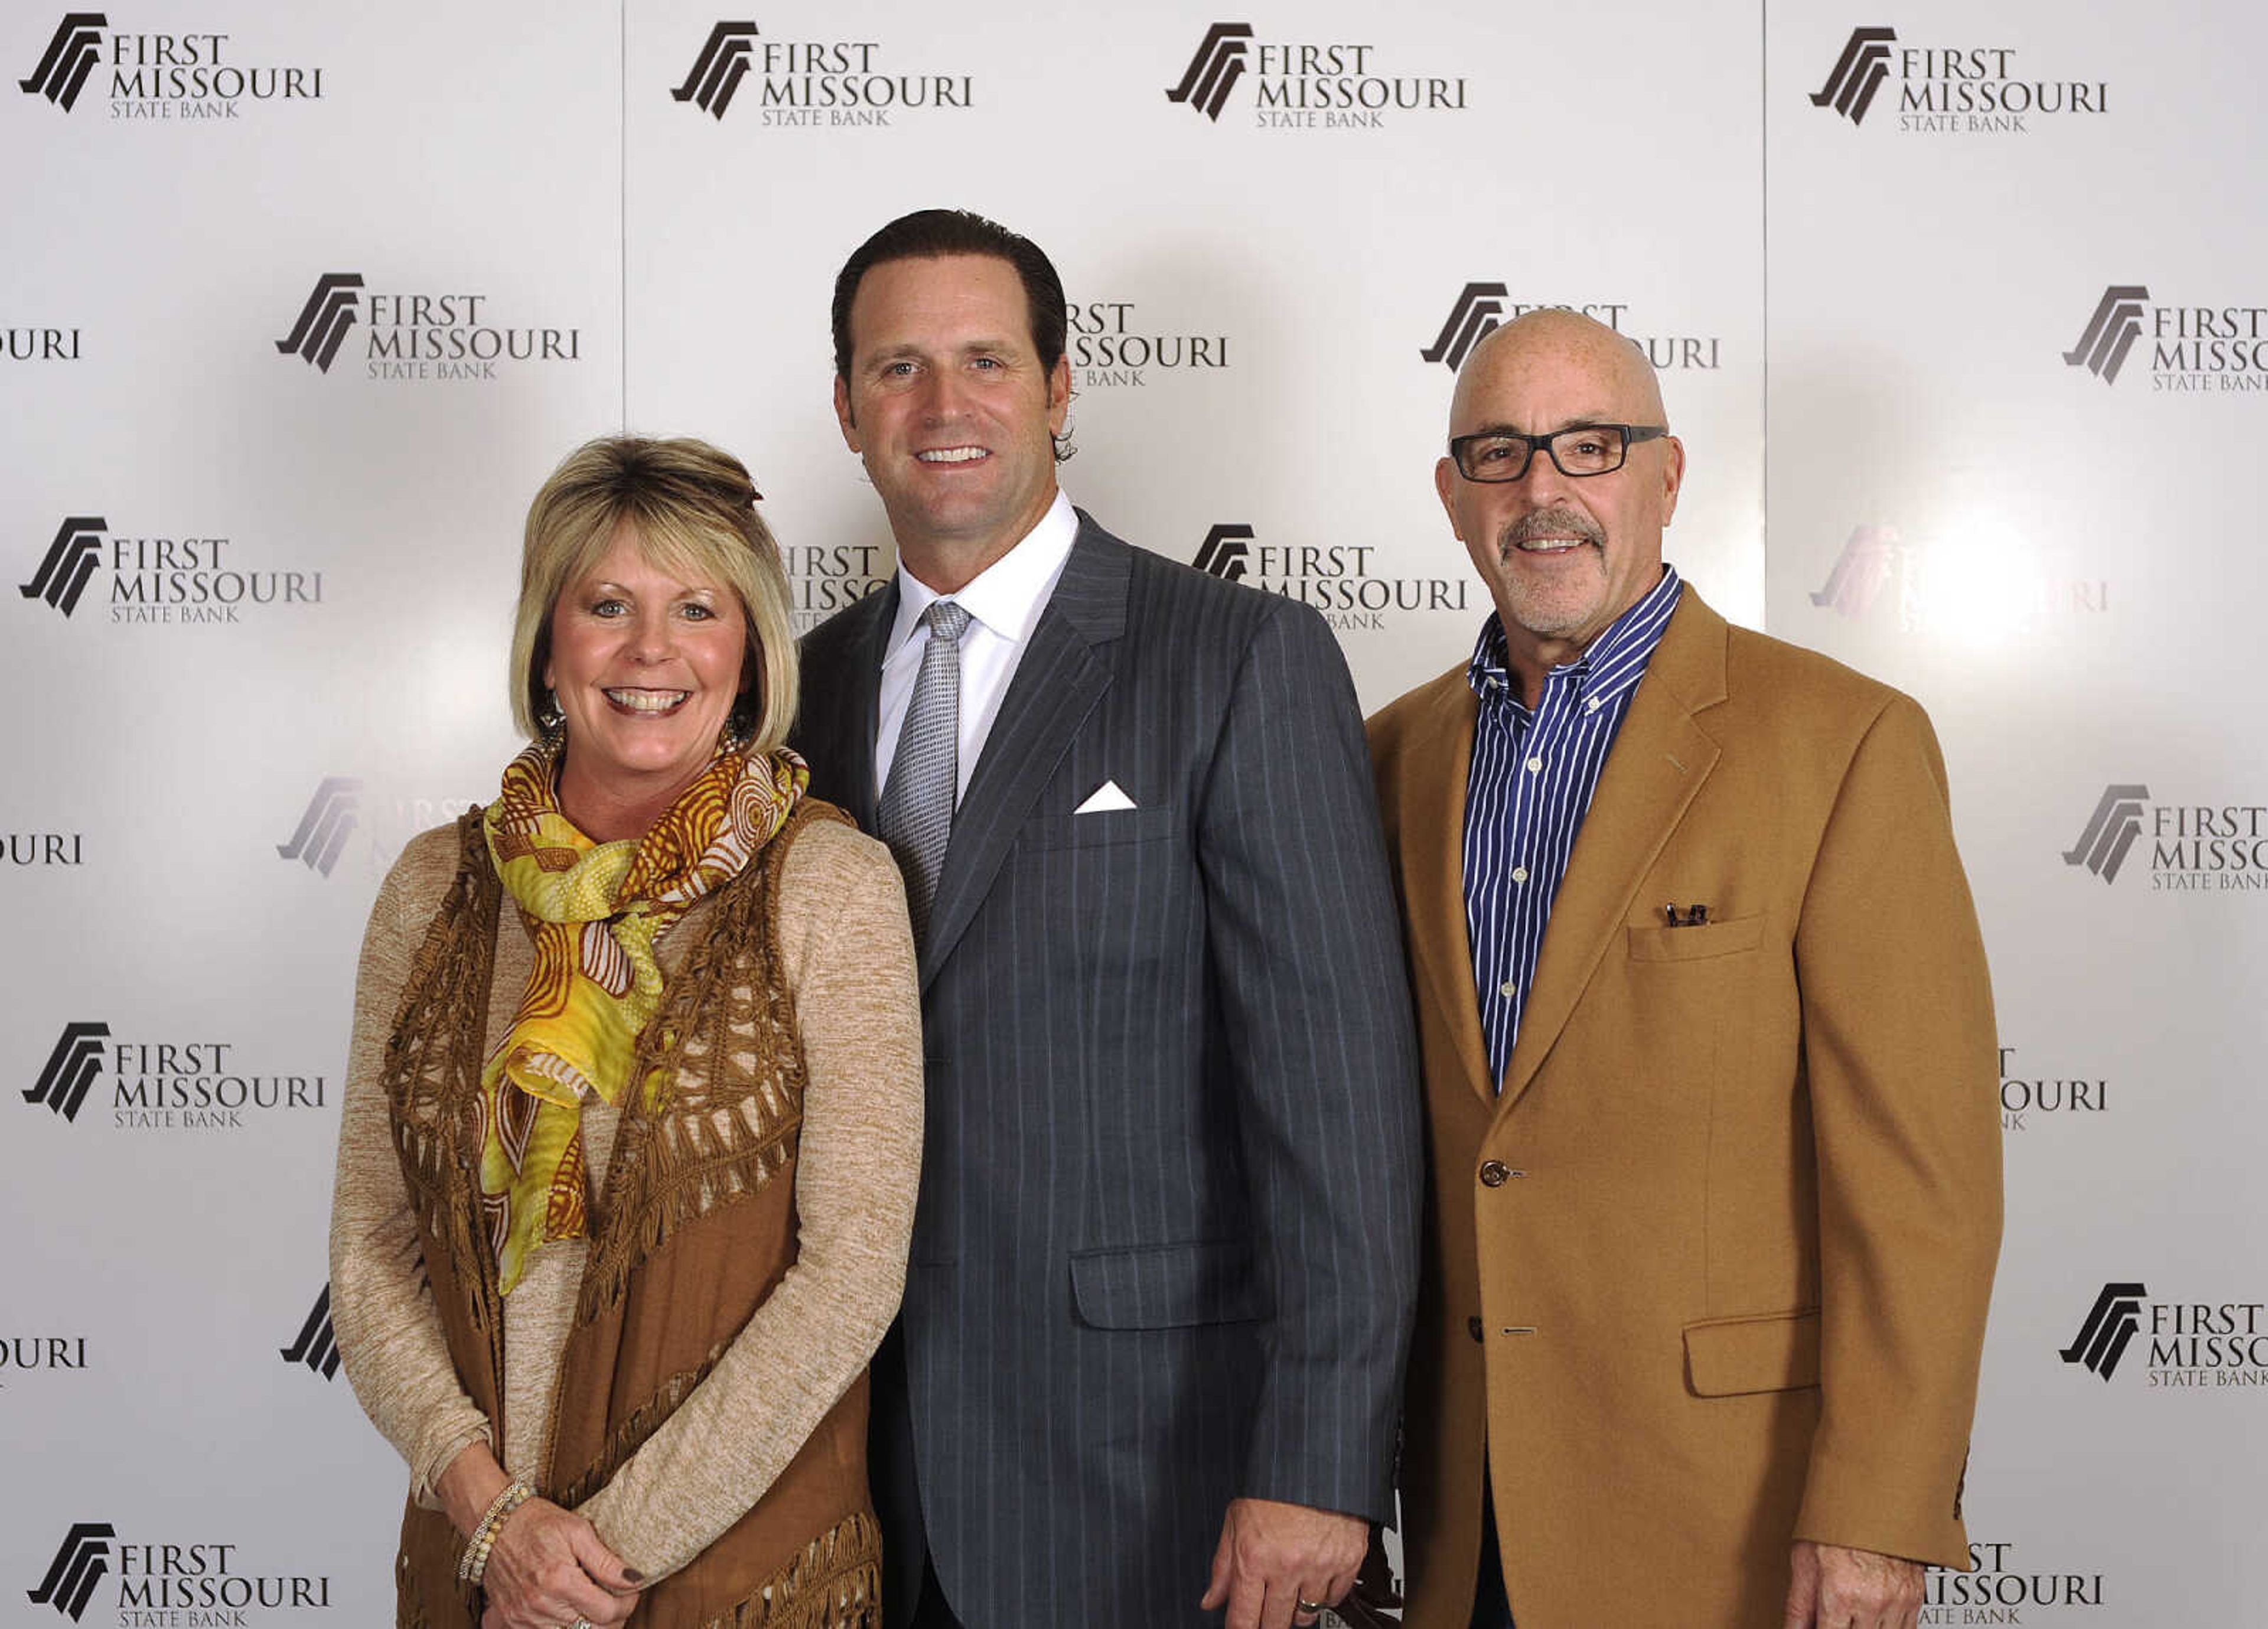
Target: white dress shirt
1004,604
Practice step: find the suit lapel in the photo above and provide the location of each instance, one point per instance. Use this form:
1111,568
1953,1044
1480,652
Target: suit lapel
1064,672
1660,759
1432,818
847,712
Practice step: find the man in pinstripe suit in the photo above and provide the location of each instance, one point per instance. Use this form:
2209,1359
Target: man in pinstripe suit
1163,1263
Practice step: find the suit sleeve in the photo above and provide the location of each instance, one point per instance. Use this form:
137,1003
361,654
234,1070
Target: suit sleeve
1899,1047
1306,962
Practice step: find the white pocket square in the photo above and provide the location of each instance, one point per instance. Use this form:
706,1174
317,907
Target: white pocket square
1107,796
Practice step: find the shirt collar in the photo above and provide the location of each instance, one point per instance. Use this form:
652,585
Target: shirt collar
1008,595
1609,665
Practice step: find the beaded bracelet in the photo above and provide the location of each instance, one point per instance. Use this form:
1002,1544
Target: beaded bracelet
473,1565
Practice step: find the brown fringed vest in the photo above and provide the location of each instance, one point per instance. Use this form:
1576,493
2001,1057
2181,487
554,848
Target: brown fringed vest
694,1228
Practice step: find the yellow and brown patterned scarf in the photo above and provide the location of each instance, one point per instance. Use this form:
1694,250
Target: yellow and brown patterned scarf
595,910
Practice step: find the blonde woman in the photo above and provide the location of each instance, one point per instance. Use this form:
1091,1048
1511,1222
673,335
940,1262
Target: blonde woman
632,1126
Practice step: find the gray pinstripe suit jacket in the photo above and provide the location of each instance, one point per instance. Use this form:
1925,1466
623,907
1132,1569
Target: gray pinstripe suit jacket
1165,1248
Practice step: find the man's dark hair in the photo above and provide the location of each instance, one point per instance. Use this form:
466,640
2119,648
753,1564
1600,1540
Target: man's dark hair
930,234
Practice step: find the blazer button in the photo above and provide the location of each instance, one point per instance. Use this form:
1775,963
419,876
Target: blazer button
1493,1173
1473,1327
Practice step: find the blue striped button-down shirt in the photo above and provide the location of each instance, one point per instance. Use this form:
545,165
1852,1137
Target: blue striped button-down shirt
1532,779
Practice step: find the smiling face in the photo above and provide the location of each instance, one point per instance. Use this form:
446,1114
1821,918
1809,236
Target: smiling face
1563,556
948,406
646,669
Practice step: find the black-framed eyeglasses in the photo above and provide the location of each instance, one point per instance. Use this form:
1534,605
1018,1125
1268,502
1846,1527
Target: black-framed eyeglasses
1578,450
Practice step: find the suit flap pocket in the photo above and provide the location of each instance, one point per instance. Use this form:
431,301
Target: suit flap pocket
1102,826
1727,1357
1693,944
1159,1286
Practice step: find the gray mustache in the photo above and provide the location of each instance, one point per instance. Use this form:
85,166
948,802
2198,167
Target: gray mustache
1554,523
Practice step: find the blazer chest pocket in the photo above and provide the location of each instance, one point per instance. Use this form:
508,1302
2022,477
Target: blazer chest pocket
1695,944
1161,1287
1731,1357
1103,827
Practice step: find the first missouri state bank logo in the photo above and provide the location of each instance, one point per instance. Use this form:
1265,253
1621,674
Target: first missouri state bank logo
71,56
1858,74
191,576
1480,308
1949,90
163,1085
325,824
70,560
2220,347
323,322
1305,84
192,1580
325,832
1860,571
165,77
719,69
1936,587
1347,582
2110,1324
443,333
2191,1344
71,1071
317,1344
2111,333
2111,831
1214,70
1224,553
1477,313
813,82
81,1562
2195,847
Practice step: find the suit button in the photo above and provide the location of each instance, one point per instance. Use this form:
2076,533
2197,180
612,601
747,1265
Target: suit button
1493,1173
1473,1327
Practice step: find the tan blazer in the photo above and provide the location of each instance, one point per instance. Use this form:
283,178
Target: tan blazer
1714,1265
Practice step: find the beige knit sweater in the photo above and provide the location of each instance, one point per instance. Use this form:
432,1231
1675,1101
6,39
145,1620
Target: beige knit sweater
848,964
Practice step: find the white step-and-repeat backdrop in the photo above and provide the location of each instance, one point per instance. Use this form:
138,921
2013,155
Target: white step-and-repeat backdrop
1962,310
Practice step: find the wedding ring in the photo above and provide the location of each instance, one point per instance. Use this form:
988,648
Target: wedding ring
1306,1605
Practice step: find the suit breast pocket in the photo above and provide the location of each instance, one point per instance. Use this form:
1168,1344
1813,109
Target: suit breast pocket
1695,944
1109,901
1103,828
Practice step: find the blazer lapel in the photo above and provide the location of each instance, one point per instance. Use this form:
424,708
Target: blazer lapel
843,720
1660,759
1064,672
1432,816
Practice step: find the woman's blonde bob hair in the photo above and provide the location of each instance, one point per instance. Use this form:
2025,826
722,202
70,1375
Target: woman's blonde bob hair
692,510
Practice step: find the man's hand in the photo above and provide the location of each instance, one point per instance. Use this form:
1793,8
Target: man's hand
1838,1588
1272,1556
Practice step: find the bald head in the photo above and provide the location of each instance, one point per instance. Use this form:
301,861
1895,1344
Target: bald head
1560,339
1563,554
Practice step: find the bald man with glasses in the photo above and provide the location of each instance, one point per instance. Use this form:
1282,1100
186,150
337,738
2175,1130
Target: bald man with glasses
1715,1168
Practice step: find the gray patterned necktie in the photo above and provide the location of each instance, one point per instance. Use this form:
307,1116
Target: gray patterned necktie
916,817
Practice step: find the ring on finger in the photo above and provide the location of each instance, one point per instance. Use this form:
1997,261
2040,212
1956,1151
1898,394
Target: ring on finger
1306,1605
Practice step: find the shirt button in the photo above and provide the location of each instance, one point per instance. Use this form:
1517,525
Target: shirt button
1493,1173
1535,766
1591,706
1507,989
1519,874
1473,1327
